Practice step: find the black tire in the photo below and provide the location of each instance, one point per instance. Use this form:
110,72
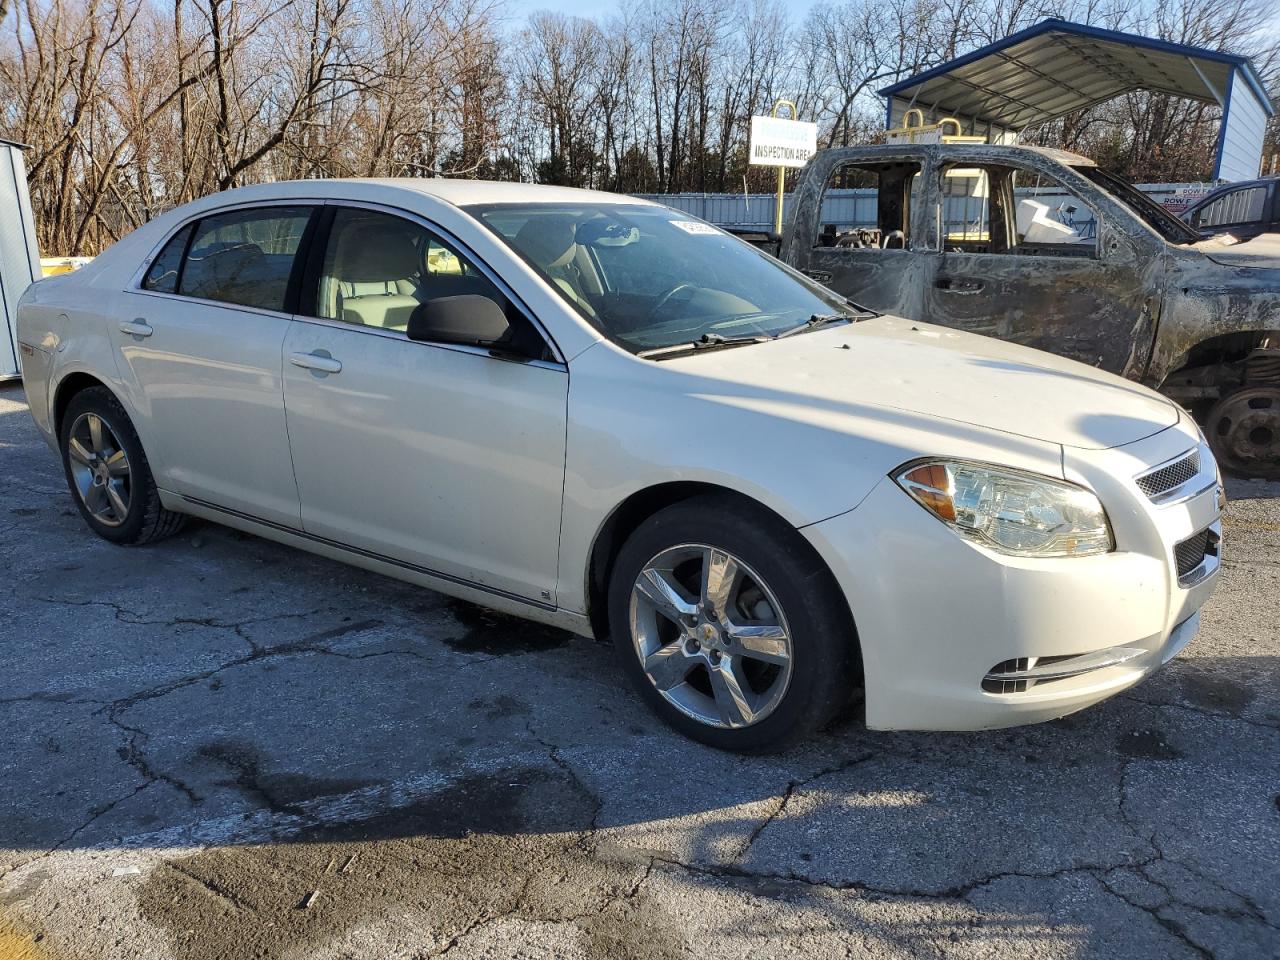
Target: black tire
825,654
146,521
1243,429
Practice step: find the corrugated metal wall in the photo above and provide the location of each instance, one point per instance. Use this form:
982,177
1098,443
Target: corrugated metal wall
1244,127
19,262
845,208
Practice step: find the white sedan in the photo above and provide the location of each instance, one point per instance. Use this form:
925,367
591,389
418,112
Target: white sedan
606,415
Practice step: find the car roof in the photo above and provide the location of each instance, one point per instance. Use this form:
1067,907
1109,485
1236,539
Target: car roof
464,193
456,192
995,151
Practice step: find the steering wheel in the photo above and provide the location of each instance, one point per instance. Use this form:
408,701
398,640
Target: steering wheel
662,300
894,235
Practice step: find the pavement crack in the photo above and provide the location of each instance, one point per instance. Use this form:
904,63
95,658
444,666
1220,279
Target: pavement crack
734,873
1160,916
789,792
125,615
586,839
97,813
1202,711
487,919
132,753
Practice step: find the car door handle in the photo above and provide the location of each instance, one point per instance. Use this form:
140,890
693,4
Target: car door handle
956,285
316,361
136,328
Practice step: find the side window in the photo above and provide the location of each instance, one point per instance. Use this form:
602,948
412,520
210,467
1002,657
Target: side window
966,212
1238,206
245,257
378,269
869,205
1002,209
162,277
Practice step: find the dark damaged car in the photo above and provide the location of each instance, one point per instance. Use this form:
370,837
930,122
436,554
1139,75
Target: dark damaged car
1043,248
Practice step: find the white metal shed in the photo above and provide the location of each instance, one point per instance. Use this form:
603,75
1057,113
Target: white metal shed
19,258
1057,67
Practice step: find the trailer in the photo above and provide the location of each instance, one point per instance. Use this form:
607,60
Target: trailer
19,258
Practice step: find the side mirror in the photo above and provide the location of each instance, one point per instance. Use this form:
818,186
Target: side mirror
468,319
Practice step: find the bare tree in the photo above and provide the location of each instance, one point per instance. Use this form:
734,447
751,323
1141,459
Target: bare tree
132,107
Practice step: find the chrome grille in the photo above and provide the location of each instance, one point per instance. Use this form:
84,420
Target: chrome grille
1171,476
1190,552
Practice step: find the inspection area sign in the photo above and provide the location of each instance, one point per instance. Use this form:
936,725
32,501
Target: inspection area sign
782,143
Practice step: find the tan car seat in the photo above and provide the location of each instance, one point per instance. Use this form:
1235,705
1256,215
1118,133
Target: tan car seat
373,276
550,243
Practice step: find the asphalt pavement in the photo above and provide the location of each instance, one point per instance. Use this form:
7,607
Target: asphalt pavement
217,747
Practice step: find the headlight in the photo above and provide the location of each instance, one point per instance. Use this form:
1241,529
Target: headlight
1009,511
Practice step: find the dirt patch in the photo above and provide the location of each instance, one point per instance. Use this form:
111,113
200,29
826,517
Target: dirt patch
496,634
509,846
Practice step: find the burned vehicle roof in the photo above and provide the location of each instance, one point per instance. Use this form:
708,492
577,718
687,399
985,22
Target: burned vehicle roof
991,150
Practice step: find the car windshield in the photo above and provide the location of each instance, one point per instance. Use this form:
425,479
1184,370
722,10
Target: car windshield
649,277
1155,216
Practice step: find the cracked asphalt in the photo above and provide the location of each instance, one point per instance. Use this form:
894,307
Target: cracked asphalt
219,747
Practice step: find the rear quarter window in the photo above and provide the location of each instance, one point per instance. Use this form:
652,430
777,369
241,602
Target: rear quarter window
162,277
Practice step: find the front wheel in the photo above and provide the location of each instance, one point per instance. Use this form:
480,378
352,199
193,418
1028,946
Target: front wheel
1243,429
730,626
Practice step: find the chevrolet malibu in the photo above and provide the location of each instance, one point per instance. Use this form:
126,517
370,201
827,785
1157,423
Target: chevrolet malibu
604,415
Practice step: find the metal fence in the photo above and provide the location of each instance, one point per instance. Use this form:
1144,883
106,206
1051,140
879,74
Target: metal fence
857,208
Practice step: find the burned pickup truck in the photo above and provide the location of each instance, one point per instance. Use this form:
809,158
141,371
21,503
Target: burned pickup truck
1043,248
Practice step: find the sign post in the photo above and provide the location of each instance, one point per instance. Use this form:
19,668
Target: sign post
776,141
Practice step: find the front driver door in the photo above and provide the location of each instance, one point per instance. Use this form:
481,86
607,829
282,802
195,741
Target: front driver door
445,458
857,230
1026,259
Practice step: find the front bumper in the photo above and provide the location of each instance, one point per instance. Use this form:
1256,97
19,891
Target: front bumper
937,615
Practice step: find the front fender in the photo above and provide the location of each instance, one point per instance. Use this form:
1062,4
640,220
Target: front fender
631,428
1205,299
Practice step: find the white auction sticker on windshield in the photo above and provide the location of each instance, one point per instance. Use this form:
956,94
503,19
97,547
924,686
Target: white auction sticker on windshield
697,227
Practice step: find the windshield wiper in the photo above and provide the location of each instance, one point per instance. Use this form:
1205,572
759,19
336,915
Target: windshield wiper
708,341
816,321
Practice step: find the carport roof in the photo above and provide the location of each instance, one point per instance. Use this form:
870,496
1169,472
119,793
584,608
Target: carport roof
1056,67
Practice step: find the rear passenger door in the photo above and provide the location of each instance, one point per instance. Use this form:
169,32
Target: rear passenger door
1026,258
444,458
199,338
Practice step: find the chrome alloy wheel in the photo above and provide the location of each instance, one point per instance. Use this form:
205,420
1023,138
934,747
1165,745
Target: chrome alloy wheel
711,636
100,469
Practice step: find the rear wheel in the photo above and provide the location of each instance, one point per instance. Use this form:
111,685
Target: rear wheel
108,472
1243,428
730,626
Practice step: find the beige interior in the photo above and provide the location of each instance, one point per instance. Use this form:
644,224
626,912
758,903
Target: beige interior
371,275
550,242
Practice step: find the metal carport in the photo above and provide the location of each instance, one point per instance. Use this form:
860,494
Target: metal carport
1057,67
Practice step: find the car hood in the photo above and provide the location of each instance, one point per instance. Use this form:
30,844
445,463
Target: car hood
948,374
1262,251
